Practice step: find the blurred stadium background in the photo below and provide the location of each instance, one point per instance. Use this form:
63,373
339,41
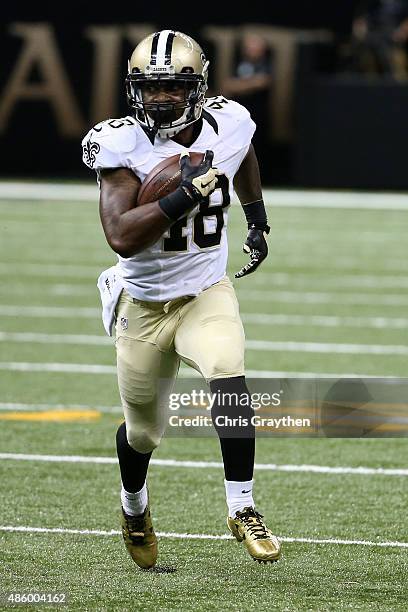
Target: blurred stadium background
330,300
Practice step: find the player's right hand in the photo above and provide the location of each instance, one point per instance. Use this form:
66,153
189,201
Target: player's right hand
199,181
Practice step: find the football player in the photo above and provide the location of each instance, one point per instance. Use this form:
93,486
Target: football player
168,295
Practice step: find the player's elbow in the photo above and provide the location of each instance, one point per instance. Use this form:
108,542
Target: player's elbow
125,248
122,247
125,253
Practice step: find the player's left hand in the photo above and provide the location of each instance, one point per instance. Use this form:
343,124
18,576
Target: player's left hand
257,249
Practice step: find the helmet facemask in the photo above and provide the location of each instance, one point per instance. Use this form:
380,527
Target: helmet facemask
166,118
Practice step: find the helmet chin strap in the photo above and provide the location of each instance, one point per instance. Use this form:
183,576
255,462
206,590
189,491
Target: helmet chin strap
155,118
169,132
156,130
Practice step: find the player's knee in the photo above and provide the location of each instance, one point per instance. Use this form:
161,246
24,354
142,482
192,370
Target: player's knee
223,365
142,441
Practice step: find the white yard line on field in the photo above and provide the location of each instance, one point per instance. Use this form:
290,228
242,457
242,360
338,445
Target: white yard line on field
273,467
256,318
274,197
65,289
322,297
254,345
198,536
327,347
299,296
37,407
31,191
291,260
11,310
300,259
335,199
300,236
287,297
38,338
87,368
368,281
274,279
68,368
18,269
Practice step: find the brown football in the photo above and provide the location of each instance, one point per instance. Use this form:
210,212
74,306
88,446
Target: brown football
164,178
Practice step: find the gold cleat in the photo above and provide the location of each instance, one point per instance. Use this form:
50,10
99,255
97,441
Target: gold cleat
140,539
249,527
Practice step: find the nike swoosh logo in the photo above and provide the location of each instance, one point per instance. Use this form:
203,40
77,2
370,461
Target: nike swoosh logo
246,491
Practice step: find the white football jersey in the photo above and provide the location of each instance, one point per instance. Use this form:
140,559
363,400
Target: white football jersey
192,255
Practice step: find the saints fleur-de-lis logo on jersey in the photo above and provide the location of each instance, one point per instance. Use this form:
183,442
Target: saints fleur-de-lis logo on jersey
91,149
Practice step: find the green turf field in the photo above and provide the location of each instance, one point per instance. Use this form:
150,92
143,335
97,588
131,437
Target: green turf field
331,299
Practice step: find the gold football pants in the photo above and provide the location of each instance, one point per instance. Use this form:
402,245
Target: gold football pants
205,332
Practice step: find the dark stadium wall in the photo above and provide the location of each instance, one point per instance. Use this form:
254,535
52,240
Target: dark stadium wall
57,81
351,134
334,15
59,77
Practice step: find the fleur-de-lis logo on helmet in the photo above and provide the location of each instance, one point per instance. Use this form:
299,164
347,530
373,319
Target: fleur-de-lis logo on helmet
90,149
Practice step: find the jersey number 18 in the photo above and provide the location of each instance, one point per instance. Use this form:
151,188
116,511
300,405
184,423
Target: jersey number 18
177,242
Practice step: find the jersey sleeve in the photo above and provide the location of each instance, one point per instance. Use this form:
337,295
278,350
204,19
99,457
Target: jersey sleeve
107,144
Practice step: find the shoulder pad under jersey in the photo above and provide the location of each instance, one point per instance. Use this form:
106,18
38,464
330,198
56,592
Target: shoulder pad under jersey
234,121
106,143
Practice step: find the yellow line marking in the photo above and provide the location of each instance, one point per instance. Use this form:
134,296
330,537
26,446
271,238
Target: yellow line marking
52,415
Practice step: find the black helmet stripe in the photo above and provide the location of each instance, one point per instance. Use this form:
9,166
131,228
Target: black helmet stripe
153,52
169,46
162,45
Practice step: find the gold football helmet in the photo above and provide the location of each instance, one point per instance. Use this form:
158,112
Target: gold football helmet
177,59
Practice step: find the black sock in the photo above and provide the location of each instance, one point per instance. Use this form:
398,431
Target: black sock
133,465
238,441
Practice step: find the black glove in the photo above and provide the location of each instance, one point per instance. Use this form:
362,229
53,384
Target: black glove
199,181
255,245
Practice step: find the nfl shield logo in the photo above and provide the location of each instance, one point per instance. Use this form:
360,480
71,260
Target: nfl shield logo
124,323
